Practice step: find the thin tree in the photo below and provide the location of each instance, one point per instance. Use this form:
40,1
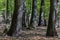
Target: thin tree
41,15
23,19
28,16
33,15
6,16
7,11
56,14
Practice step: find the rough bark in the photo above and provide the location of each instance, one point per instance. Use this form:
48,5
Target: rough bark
51,30
16,24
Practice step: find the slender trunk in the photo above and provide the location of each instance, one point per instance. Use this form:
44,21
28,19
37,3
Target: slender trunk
41,15
28,16
24,11
6,16
33,15
56,15
7,12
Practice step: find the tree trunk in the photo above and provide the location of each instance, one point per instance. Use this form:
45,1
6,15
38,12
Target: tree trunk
41,15
6,16
16,24
24,11
51,31
56,15
7,12
28,16
33,15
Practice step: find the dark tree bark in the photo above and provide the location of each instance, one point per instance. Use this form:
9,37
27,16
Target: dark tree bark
41,15
14,19
16,24
33,15
51,30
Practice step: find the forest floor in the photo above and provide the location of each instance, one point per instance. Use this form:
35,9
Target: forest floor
37,34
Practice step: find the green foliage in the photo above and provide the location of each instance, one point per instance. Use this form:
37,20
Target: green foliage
3,5
28,6
11,5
